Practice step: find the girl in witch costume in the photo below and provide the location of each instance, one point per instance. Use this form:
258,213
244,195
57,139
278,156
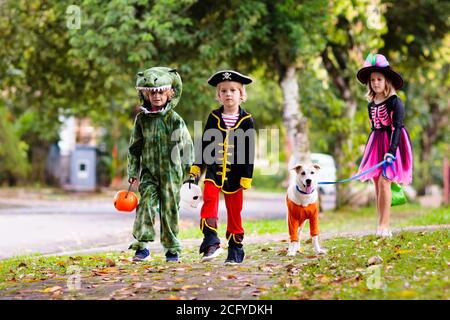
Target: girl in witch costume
388,139
160,153
227,155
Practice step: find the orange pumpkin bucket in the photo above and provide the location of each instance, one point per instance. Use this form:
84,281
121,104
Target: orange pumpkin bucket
125,200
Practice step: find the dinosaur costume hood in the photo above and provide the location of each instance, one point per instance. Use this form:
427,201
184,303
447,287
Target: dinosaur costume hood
159,79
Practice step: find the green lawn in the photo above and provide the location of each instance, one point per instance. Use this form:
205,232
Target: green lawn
412,266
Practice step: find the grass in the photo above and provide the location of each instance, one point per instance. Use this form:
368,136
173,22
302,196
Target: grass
431,216
412,266
33,268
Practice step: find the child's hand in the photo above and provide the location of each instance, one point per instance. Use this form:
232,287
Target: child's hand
389,157
132,180
194,172
246,183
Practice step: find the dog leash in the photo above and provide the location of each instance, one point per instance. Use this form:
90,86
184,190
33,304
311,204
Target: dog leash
383,163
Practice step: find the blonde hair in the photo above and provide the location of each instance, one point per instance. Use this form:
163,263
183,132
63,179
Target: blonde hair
388,90
240,87
170,93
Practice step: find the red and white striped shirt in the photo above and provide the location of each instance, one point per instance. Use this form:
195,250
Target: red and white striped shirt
230,120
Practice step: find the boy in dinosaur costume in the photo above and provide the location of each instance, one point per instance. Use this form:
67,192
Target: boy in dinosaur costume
160,154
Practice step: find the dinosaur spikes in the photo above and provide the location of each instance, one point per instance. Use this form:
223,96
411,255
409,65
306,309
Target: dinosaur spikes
154,89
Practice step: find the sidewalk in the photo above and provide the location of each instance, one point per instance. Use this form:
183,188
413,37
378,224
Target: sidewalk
42,221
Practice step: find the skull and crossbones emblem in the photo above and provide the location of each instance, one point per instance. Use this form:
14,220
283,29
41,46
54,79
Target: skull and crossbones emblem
226,76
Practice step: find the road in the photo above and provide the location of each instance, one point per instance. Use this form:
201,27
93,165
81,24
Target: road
62,225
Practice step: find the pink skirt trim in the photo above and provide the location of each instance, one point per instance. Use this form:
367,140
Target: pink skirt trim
377,146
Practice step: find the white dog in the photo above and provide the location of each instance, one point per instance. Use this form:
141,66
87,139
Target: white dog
302,203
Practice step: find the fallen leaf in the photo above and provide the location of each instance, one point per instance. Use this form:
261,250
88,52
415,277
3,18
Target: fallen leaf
407,294
374,260
266,269
403,251
108,270
256,293
159,289
187,287
52,289
77,258
110,263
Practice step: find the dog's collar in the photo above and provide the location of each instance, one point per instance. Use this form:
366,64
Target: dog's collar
303,192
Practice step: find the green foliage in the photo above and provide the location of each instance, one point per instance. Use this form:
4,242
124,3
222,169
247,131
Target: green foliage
273,182
13,161
48,69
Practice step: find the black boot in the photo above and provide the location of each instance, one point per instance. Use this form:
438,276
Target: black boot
210,246
235,249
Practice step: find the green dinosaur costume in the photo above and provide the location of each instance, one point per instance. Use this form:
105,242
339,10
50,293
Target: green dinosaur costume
160,154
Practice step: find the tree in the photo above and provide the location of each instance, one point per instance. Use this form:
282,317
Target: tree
13,164
40,79
273,36
421,51
352,34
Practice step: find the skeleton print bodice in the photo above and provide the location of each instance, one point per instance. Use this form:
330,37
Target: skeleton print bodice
380,116
388,115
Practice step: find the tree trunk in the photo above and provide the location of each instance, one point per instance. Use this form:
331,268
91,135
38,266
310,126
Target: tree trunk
38,159
343,149
294,120
430,134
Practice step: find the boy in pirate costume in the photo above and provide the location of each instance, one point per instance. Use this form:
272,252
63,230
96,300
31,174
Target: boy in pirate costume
227,155
160,154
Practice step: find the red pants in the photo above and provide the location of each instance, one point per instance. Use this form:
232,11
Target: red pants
233,202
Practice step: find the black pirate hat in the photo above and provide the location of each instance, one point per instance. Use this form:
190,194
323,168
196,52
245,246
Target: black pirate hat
228,75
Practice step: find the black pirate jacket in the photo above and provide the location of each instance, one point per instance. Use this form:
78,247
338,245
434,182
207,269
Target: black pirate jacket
226,154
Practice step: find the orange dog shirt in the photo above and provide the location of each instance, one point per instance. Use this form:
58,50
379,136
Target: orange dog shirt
297,214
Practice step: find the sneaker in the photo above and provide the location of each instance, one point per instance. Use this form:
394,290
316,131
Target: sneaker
386,233
235,255
141,255
383,233
212,252
378,233
172,257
